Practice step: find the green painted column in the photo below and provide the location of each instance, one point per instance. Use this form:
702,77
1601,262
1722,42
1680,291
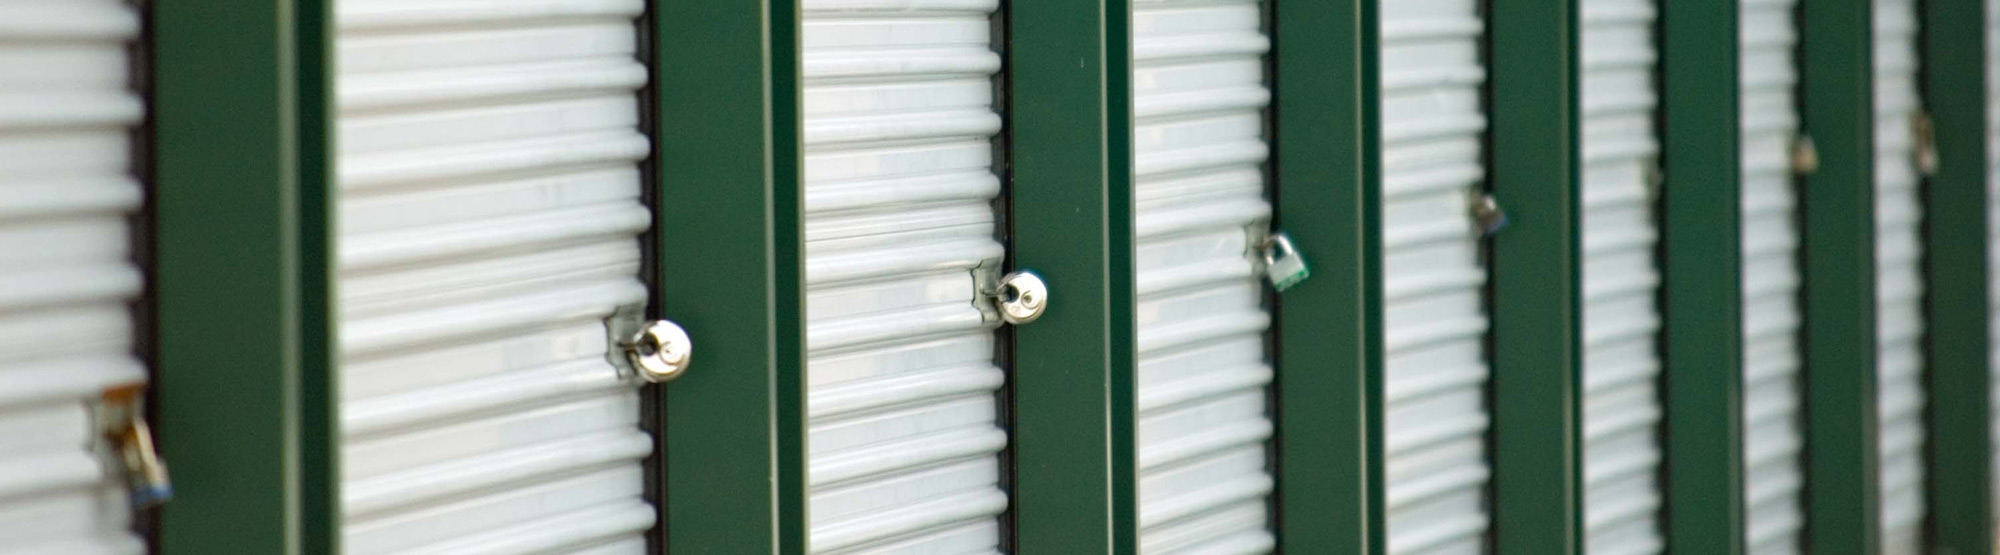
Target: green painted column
732,455
242,245
1842,509
1327,327
1536,288
1702,291
1957,275
1071,214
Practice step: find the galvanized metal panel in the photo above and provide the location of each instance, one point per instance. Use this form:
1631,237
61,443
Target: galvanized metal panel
489,207
68,191
1772,421
901,238
1621,279
1204,372
1435,372
1899,279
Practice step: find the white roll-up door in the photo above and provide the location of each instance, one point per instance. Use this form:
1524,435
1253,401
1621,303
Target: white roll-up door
901,238
1621,280
1899,316
489,207
1203,370
68,105
1433,278
1773,432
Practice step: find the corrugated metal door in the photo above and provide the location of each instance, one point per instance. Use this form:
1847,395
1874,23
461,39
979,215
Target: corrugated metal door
1899,278
67,277
1204,412
489,203
1773,433
902,236
1433,132
1621,279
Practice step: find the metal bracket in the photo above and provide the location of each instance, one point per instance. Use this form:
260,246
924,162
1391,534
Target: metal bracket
1655,178
985,282
619,328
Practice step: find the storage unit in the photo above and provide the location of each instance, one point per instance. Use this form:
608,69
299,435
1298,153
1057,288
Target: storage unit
1621,278
70,187
489,206
902,236
1200,186
1433,277
1772,435
400,273
1899,277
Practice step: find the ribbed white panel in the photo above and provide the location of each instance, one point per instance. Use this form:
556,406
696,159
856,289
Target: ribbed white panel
1773,434
900,223
1433,127
1204,420
1621,279
489,202
67,193
1899,280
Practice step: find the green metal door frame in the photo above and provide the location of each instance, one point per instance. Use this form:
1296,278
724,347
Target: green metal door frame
1957,275
1838,201
1537,293
732,442
1375,528
245,384
1702,289
1070,203
1327,352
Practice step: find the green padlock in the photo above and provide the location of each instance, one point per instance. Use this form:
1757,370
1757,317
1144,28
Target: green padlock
1283,265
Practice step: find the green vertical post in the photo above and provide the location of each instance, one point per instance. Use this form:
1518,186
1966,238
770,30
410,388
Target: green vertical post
1375,528
1071,214
1842,513
319,401
245,376
1536,289
1123,273
1071,217
728,151
1324,344
1956,279
1702,288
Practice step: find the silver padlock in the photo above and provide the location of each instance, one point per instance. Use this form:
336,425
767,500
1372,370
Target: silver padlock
145,475
1924,135
123,417
660,352
1284,267
1805,156
1486,213
1021,297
